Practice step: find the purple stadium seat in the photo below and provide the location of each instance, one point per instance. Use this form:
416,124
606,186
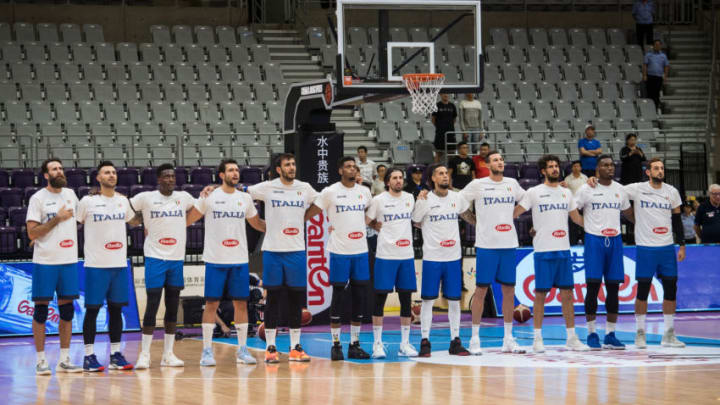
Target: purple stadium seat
529,171
250,175
181,176
17,216
193,189
93,177
4,178
201,175
83,191
28,192
511,170
124,190
523,225
527,183
195,236
80,240
3,216
469,238
76,177
139,188
22,178
127,176
8,240
148,177
11,197
137,238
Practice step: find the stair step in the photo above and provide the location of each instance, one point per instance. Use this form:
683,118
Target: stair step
277,31
299,67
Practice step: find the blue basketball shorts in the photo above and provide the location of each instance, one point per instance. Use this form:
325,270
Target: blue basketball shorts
553,269
656,261
395,274
106,283
604,259
284,269
494,265
450,273
48,279
233,277
163,273
349,267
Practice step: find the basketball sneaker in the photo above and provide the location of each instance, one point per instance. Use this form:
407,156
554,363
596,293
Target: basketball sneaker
593,341
243,356
118,362
611,342
640,339
457,349
271,355
573,343
510,346
538,345
65,366
670,340
336,352
207,359
298,354
356,352
475,349
378,351
425,348
42,368
407,350
143,361
91,364
170,360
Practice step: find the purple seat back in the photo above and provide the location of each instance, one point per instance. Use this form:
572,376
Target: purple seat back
11,197
529,171
17,216
29,191
148,177
123,190
4,178
3,216
527,183
22,178
139,188
193,189
76,177
511,170
127,176
201,175
82,191
181,176
195,236
8,240
250,175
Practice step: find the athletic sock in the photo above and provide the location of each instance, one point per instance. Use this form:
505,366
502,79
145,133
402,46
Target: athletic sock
146,341
609,327
640,322
89,349
207,334
570,332
591,327
404,334
114,347
354,333
426,318
669,320
169,342
537,333
241,329
475,331
64,354
40,356
294,337
335,333
454,318
508,329
270,337
377,334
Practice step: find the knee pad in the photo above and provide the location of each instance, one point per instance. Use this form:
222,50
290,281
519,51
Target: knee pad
591,297
612,304
405,302
380,304
66,312
643,290
669,289
40,313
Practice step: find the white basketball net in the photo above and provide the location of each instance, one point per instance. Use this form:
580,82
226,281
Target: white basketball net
424,89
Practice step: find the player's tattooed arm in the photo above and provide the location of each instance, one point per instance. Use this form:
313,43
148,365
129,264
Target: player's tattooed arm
257,223
469,217
312,211
576,217
629,214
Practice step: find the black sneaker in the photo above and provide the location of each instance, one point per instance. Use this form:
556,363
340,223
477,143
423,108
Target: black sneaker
356,352
424,348
336,352
457,349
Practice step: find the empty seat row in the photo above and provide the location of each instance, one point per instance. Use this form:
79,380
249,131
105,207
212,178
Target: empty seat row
202,34
498,54
50,32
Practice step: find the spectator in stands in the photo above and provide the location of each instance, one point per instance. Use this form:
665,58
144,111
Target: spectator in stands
481,168
444,120
590,149
642,12
707,217
366,166
632,158
471,120
415,186
655,71
688,221
378,185
461,167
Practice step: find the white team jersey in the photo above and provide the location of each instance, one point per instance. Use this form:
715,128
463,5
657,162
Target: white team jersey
285,208
59,246
346,209
225,214
601,208
165,219
440,231
653,213
395,214
550,208
105,229
494,205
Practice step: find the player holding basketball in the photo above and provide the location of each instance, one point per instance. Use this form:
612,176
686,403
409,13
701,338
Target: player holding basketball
394,262
106,271
284,260
51,227
495,243
345,203
601,207
164,216
551,205
225,254
437,214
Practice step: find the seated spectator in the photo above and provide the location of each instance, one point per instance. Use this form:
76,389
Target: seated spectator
481,169
707,217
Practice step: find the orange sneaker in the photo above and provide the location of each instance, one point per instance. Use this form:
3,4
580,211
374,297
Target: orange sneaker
271,355
298,354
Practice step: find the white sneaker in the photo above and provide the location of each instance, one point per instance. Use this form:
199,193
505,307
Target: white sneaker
378,351
641,340
207,359
243,356
143,361
170,360
475,348
42,368
407,350
511,346
574,344
538,346
670,340
66,366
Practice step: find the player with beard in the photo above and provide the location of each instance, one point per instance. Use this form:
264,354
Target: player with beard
106,271
164,212
437,214
391,212
345,203
601,208
495,243
284,259
225,254
52,229
551,205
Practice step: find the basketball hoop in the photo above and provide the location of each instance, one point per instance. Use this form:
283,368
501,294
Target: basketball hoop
424,89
